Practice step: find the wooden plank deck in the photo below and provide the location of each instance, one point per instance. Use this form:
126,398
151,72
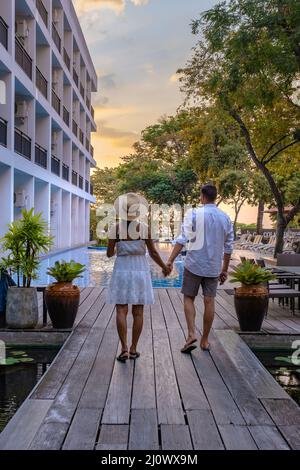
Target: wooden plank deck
224,399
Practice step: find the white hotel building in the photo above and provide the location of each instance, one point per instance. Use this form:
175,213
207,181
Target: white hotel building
46,118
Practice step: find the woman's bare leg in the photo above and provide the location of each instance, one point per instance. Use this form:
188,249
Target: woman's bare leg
138,320
122,312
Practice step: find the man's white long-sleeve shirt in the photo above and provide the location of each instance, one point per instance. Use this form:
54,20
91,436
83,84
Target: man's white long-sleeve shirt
208,234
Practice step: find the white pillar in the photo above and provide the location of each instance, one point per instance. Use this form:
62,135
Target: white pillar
66,218
6,196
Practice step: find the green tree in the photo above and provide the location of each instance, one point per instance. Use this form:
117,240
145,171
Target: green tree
247,63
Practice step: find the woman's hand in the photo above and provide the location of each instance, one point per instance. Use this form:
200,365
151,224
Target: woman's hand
166,271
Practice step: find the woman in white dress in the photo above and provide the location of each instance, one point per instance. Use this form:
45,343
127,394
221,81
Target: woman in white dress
131,282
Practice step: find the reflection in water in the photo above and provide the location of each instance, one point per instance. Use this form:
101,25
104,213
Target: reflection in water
17,381
279,364
99,269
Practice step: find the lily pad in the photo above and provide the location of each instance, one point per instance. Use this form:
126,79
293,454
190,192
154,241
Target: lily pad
25,359
18,353
9,361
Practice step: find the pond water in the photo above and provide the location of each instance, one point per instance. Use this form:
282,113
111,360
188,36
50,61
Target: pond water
279,364
99,269
23,369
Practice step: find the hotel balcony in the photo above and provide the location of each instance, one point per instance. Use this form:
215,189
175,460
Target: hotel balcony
55,165
67,59
81,136
22,144
75,128
56,37
55,102
75,77
87,186
41,83
74,178
42,11
3,132
40,156
3,33
23,59
66,116
80,182
65,172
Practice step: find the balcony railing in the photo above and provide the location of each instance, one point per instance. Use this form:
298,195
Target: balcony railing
74,178
22,144
87,186
56,37
91,189
75,128
87,144
65,172
3,132
41,83
66,116
3,33
55,102
75,76
67,59
23,58
92,151
55,165
42,11
40,156
80,182
82,90
81,136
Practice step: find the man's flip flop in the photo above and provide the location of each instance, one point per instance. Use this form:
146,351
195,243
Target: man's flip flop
134,356
188,348
123,357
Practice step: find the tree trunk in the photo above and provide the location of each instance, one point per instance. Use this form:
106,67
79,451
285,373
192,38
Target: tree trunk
280,229
260,217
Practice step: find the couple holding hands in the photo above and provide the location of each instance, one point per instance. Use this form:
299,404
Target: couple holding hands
205,265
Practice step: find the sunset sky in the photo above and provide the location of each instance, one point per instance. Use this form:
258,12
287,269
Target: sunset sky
137,46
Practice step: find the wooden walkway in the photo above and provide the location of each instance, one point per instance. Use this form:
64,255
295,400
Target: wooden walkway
224,399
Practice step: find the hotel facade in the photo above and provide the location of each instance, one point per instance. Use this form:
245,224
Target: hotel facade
46,118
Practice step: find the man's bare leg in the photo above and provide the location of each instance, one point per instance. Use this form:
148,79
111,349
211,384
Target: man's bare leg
190,316
208,318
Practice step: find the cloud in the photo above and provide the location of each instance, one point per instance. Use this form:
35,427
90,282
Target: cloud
117,137
115,5
107,81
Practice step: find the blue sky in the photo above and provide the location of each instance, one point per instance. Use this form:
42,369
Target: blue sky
136,46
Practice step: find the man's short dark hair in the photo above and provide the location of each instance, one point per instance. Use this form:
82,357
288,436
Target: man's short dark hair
210,192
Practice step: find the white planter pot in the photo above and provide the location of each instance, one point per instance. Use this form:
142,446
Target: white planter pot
22,307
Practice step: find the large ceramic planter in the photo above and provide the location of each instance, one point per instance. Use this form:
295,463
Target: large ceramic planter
251,305
62,300
22,307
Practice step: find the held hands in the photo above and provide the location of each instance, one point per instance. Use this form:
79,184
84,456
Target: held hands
167,269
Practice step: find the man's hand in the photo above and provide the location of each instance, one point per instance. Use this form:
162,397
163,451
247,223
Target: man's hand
223,277
166,270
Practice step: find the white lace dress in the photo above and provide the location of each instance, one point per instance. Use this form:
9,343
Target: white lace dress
131,282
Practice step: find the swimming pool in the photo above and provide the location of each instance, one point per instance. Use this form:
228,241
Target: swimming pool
99,269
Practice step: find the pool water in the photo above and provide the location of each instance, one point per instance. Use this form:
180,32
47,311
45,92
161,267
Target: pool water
279,364
99,269
24,369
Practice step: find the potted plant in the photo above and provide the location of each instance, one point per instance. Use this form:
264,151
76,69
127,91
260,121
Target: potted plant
24,242
62,297
252,298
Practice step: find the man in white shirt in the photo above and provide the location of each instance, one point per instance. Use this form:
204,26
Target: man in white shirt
208,231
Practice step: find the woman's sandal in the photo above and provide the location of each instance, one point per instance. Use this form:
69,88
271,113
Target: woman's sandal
206,349
134,356
123,357
189,347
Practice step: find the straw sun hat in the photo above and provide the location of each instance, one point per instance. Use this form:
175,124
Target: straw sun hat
131,206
